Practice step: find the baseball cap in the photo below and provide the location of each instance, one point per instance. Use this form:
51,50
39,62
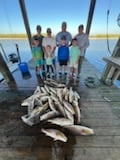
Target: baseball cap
49,30
38,27
81,26
35,37
64,23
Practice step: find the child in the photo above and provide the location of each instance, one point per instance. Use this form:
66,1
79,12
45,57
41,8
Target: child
37,56
74,58
49,60
63,55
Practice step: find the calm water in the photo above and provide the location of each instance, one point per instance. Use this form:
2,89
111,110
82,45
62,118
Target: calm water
96,51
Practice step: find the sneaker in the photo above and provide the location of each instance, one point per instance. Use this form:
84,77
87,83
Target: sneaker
43,73
48,75
53,74
60,72
78,76
65,73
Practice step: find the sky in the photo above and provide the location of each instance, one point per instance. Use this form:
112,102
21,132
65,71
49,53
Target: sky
51,13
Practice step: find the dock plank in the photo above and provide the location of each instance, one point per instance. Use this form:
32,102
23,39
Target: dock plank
19,141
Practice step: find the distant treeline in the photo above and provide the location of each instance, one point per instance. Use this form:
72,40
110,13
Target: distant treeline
105,36
91,36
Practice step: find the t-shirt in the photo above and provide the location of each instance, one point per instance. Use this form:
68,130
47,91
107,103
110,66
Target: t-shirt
49,61
40,38
49,41
83,42
66,34
74,53
37,53
49,58
63,53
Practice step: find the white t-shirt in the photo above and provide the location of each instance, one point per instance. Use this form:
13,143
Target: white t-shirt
49,41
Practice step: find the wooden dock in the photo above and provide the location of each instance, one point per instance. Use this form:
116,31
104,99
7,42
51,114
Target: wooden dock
100,109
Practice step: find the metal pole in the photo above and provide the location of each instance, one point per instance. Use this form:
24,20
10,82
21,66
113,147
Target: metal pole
18,52
25,18
90,16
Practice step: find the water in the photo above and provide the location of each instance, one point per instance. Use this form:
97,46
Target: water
9,46
95,52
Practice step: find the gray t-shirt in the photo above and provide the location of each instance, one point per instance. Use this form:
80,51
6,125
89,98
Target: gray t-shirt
83,42
66,34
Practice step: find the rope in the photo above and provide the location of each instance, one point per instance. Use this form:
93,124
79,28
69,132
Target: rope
108,46
108,12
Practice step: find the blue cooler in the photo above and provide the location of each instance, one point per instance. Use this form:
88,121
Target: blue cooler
23,67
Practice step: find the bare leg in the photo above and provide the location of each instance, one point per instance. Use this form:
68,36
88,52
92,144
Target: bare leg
60,69
65,69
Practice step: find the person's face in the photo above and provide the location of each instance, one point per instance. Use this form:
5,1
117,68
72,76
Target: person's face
38,31
49,33
64,28
48,48
36,42
80,30
63,41
74,42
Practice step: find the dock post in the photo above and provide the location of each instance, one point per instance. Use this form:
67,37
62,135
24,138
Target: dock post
90,16
25,18
5,70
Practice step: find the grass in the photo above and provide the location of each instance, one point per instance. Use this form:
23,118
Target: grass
25,36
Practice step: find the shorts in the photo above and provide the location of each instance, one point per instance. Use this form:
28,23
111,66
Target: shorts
44,61
54,61
73,65
39,62
63,62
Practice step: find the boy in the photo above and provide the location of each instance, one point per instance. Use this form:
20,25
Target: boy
37,56
63,55
74,58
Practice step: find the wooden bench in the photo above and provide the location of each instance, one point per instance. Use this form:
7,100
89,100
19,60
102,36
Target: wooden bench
114,72
113,61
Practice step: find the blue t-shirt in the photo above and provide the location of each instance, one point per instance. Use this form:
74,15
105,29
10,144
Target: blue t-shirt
63,53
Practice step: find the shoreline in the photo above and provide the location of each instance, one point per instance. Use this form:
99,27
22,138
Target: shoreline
20,38
23,36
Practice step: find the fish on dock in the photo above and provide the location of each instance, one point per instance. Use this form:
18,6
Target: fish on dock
56,104
80,130
61,121
55,134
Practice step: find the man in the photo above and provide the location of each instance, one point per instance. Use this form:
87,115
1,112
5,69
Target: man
63,33
83,43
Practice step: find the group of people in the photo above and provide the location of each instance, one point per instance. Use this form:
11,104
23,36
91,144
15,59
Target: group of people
71,51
